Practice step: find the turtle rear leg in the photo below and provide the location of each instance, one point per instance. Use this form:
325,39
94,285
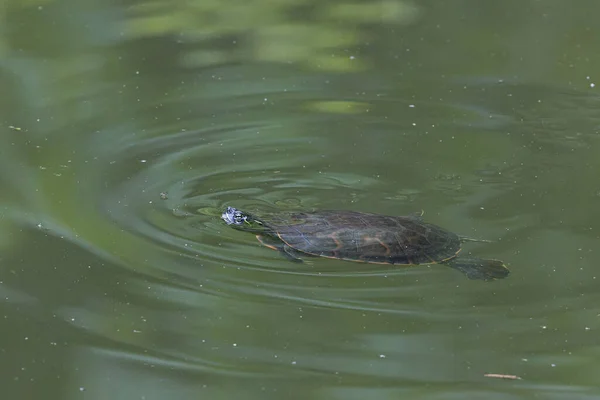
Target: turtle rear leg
479,268
281,247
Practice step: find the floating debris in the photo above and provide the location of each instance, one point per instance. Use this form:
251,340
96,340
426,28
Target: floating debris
502,376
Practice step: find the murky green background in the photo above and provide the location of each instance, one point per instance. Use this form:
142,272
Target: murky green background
126,127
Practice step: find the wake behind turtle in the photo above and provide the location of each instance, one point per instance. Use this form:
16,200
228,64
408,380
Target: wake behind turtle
370,238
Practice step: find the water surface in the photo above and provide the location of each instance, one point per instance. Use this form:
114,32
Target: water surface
128,127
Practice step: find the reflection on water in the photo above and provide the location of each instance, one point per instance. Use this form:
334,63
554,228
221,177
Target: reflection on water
120,280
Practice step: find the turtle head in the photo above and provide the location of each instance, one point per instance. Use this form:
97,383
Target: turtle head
241,220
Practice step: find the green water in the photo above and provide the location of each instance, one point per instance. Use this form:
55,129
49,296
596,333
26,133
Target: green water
127,127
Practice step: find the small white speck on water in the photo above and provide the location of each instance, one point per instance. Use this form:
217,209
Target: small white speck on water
382,356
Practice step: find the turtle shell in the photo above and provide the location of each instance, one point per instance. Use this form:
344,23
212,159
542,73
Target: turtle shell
373,238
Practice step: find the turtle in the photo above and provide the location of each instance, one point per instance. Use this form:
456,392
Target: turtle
359,236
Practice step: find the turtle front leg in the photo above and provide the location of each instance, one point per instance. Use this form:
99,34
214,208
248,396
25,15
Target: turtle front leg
291,254
282,248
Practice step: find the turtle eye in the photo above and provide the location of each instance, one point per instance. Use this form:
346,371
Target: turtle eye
238,217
